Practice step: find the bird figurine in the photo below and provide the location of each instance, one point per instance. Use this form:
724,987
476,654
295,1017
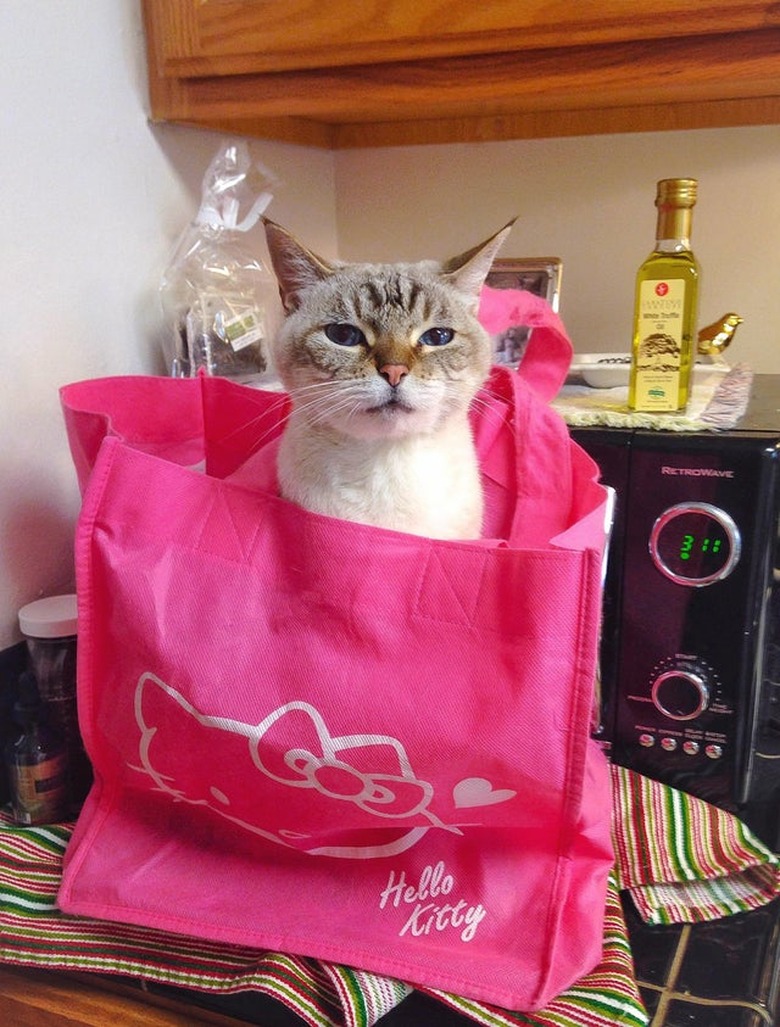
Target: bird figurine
716,337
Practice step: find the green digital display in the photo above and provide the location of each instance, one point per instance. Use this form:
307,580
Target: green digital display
691,546
695,544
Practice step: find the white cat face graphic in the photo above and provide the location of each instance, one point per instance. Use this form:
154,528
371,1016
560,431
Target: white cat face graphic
313,778
394,795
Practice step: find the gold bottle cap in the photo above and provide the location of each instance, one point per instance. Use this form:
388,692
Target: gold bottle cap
676,192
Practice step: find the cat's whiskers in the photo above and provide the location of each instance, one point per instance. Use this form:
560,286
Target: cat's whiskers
330,390
480,403
342,396
333,383
321,400
272,415
489,409
277,420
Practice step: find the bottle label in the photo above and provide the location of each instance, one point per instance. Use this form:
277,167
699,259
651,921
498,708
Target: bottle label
39,791
659,358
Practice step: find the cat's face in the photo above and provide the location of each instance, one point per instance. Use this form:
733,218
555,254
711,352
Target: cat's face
380,350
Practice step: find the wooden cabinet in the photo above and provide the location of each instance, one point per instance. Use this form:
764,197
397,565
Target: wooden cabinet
337,73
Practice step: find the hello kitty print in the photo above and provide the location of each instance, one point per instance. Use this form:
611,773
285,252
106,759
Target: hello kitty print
315,783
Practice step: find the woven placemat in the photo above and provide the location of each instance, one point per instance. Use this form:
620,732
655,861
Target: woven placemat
718,402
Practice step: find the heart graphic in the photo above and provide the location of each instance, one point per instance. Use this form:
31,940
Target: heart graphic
477,791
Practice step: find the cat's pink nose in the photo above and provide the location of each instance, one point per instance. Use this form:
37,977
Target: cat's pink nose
394,373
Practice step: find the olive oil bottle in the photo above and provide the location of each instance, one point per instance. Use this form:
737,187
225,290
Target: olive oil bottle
666,306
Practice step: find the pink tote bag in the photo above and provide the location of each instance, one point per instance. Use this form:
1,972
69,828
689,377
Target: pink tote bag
319,737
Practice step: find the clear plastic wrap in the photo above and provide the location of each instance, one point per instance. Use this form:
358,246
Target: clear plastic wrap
219,298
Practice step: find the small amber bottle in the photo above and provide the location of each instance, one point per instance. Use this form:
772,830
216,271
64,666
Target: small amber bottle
36,760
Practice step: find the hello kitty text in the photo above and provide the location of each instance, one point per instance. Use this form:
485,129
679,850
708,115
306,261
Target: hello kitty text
431,912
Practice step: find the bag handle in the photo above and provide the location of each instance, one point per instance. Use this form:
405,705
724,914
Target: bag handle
548,355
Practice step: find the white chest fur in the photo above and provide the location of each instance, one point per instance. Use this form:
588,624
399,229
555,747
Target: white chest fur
423,484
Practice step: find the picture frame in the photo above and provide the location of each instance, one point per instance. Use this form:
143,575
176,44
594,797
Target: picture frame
538,275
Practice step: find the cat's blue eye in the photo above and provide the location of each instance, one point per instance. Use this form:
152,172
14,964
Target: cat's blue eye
437,337
345,334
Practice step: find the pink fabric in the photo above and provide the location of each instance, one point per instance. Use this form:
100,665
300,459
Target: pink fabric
324,738
549,351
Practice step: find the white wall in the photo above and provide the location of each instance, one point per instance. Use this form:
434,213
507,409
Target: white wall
589,201
91,202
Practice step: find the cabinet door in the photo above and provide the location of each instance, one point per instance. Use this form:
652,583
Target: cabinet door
229,37
341,73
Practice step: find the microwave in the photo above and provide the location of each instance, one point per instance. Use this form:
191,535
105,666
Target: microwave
690,647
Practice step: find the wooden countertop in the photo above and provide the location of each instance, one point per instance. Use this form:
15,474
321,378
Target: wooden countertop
41,998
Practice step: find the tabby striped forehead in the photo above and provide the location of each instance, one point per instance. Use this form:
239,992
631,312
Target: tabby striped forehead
381,298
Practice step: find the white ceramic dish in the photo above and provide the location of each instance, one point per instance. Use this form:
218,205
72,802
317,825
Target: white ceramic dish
609,370
601,370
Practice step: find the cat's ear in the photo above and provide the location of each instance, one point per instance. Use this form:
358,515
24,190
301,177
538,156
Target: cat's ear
296,268
468,271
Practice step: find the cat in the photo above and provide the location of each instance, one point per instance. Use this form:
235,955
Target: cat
381,362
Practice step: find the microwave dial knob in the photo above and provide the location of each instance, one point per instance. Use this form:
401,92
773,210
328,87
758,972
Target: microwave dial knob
681,693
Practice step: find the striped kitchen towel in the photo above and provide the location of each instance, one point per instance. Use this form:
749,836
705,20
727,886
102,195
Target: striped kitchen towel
683,860
680,859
